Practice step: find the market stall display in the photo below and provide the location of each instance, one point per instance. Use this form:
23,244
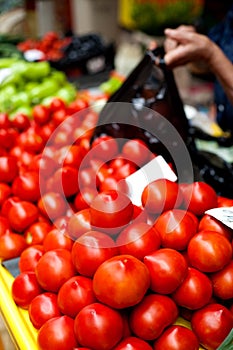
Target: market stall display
79,244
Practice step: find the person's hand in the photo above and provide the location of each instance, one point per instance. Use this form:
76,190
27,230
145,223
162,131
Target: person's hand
183,45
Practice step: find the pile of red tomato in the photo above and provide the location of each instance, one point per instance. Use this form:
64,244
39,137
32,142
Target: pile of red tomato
96,271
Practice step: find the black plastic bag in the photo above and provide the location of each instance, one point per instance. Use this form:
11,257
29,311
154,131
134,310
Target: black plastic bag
154,86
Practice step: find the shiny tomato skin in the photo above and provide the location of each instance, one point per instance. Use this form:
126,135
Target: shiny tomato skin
8,204
199,197
84,197
30,257
223,282
195,291
176,227
209,251
209,223
26,186
212,324
64,181
58,266
167,268
9,169
136,151
41,114
105,148
138,239
132,343
36,233
80,291
110,211
177,337
79,223
161,195
57,239
92,249
98,326
42,308
113,277
152,315
24,288
11,245
22,215
52,205
57,333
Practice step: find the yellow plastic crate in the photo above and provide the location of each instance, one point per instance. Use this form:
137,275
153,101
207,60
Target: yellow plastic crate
23,333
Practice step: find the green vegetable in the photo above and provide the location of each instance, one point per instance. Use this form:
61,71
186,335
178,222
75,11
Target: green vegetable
46,88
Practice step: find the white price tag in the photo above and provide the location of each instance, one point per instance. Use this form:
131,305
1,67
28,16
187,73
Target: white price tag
223,214
156,169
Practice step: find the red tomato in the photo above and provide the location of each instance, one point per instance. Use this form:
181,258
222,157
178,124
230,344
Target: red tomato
44,165
41,114
35,233
4,225
209,223
21,121
168,268
30,140
132,343
161,195
8,204
195,291
125,170
110,211
225,202
56,104
5,192
104,147
176,227
64,181
4,121
223,282
11,245
79,223
30,257
138,239
177,337
92,249
212,324
209,251
52,205
70,155
136,151
199,197
24,288
80,292
57,333
57,239
84,198
22,215
8,169
42,308
152,315
58,266
98,326
113,277
26,186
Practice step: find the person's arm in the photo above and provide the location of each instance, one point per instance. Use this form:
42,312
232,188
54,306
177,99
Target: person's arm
189,46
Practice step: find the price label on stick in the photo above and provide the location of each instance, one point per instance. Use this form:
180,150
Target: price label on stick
156,169
223,214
